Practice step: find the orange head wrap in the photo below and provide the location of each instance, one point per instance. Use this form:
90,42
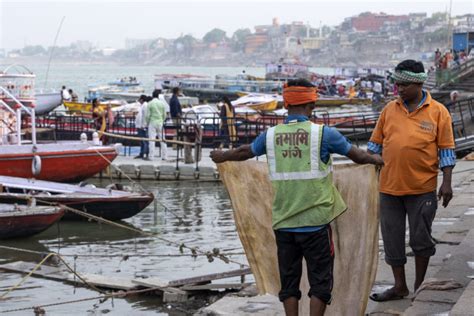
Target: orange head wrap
297,95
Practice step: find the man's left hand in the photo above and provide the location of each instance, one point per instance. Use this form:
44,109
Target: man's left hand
446,193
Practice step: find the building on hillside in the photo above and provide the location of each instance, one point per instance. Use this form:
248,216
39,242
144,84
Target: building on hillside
463,23
220,51
254,42
312,44
371,22
293,46
417,20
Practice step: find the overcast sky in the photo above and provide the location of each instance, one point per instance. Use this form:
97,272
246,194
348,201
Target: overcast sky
108,23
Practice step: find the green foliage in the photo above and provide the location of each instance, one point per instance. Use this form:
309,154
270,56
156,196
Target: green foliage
214,36
239,37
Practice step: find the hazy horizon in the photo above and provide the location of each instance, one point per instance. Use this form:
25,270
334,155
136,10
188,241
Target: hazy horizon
108,23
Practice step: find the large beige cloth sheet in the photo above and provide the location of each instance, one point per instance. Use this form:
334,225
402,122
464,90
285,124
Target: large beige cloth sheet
355,232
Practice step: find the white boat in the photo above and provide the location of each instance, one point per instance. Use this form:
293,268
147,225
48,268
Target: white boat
47,101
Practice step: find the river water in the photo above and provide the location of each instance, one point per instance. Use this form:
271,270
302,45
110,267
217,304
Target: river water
79,76
199,215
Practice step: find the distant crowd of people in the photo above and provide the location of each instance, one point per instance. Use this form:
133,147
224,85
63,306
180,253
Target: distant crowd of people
377,86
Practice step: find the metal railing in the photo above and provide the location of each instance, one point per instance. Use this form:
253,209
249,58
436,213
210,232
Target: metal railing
19,107
206,128
462,114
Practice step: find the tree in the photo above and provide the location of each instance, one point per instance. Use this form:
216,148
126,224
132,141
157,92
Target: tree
184,45
239,37
214,36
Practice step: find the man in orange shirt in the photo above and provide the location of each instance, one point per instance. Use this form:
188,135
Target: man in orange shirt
414,135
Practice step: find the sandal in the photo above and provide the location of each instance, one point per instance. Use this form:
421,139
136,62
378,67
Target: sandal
387,295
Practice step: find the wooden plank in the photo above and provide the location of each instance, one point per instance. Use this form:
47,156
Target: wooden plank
109,282
170,294
151,282
63,275
214,286
211,277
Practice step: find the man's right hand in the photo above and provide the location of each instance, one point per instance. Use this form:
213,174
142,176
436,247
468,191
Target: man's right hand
217,156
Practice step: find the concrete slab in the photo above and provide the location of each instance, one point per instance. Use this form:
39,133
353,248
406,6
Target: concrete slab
465,304
264,305
128,169
429,308
187,171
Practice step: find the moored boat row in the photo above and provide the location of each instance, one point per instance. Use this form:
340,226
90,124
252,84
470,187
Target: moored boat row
25,163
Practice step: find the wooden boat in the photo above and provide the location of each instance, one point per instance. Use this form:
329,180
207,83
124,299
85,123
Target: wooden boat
258,102
22,221
61,161
108,203
87,107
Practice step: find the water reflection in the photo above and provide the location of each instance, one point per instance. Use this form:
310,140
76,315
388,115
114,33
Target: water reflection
196,214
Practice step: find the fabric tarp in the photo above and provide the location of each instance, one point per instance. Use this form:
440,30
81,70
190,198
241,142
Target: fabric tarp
355,232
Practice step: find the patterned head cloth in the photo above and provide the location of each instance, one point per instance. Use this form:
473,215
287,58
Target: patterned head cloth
297,95
405,76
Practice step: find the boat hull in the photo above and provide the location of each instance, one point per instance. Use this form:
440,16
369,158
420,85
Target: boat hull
72,165
27,224
111,208
86,107
264,106
46,102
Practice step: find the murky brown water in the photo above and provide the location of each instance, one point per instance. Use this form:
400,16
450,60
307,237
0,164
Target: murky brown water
206,222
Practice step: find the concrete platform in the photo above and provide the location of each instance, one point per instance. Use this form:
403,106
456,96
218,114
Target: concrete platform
264,305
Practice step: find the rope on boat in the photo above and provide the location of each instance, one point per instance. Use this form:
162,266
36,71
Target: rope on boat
177,142
39,265
167,209
116,256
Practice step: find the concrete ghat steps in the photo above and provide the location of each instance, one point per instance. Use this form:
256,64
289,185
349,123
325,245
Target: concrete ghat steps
430,302
465,304
458,267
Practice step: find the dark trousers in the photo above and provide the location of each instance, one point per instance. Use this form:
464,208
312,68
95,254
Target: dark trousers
318,250
420,210
144,149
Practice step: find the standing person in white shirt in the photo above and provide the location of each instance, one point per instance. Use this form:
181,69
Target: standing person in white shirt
155,118
66,96
142,129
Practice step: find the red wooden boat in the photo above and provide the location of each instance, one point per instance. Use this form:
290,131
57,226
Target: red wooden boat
22,221
61,162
